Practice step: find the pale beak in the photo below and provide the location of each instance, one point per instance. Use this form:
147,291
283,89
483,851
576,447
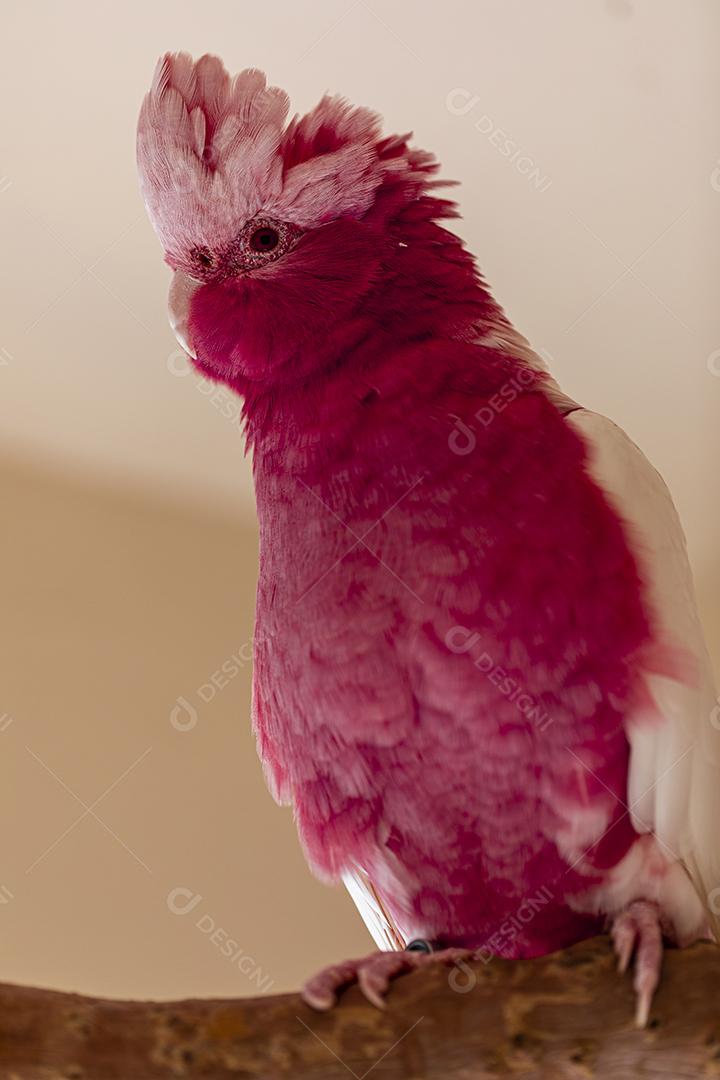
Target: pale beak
181,289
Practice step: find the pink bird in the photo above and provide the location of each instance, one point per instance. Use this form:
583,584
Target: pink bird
480,678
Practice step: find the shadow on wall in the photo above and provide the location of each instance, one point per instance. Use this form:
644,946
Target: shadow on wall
141,852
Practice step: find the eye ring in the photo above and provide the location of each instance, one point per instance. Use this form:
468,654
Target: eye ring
260,242
265,238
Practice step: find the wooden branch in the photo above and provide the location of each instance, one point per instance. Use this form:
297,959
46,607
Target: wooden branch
565,1016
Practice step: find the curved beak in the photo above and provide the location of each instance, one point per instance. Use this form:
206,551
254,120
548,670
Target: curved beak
182,288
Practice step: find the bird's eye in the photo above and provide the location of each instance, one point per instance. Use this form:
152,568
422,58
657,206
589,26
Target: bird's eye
259,243
264,239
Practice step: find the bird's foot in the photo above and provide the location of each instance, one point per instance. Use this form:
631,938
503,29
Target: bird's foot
637,929
374,973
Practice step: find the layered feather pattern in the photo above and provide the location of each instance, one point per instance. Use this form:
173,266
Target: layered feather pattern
479,675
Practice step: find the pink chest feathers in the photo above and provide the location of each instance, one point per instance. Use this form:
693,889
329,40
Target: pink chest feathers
447,648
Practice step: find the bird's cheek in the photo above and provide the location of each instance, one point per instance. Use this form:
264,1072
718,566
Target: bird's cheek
182,288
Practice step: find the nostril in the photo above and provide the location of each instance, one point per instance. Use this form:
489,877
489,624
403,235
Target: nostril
203,257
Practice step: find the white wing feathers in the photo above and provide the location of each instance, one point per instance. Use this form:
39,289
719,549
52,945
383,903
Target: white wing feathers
674,782
383,930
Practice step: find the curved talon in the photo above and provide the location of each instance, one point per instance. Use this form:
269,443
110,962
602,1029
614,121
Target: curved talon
320,992
623,934
374,978
373,974
647,969
638,929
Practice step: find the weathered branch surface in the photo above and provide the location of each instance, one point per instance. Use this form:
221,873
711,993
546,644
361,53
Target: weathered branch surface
565,1016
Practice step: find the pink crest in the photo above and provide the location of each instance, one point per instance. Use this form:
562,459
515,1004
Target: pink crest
213,151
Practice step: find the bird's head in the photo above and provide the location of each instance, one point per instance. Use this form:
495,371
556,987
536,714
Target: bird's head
275,231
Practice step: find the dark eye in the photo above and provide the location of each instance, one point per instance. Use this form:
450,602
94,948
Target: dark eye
264,239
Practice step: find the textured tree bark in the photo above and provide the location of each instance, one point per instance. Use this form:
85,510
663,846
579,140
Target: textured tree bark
565,1016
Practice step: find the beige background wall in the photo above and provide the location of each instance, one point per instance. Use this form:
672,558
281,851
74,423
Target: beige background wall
586,135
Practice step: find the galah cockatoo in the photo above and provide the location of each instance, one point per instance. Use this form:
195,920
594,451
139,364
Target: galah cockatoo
479,674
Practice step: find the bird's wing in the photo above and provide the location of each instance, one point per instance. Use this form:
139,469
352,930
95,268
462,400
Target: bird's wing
377,919
674,779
